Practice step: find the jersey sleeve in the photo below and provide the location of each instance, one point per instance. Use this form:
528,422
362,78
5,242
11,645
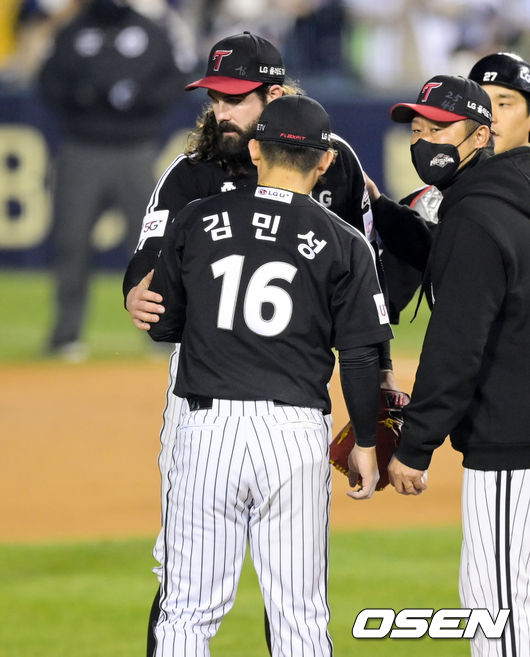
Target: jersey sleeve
359,377
175,189
353,205
403,231
357,302
167,281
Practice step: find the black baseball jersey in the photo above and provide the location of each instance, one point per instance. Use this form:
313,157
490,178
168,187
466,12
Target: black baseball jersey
342,190
258,286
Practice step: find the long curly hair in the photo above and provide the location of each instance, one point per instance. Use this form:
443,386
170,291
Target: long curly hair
203,145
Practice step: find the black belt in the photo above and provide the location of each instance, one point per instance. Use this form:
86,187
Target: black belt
198,403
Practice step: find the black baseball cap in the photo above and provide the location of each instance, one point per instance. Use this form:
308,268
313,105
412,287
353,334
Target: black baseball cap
447,98
241,63
505,69
296,120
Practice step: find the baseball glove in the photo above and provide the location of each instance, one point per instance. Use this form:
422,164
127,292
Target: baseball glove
388,433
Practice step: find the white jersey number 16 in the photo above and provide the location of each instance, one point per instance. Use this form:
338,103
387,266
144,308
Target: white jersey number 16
258,292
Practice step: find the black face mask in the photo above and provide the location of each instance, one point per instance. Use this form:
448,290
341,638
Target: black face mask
437,164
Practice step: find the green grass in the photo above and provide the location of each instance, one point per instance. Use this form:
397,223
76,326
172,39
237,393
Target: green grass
28,303
93,600
413,568
408,334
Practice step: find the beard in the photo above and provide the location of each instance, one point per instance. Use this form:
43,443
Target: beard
233,149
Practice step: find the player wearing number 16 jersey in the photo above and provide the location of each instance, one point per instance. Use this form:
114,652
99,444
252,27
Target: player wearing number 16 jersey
259,285
239,85
267,281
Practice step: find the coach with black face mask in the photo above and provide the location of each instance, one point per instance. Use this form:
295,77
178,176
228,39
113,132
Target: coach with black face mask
472,380
449,134
450,128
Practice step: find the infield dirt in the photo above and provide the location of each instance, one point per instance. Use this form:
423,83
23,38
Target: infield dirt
79,448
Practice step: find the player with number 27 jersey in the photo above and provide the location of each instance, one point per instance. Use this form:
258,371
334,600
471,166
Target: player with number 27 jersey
266,277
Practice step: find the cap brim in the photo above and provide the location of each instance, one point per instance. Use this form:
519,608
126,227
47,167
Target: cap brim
405,112
232,86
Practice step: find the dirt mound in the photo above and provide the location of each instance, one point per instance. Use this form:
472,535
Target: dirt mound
79,447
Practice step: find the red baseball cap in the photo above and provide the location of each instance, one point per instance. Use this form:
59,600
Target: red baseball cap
447,98
241,63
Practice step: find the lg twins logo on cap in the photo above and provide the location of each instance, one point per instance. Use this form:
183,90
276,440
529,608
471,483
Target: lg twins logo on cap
218,57
425,92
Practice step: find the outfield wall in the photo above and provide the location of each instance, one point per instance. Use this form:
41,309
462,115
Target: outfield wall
30,135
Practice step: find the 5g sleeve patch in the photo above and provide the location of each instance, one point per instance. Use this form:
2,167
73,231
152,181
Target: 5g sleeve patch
153,225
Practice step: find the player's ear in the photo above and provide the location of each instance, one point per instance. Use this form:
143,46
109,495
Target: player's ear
325,162
482,136
274,91
254,150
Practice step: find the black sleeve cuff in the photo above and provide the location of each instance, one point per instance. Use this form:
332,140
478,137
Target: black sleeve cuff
359,374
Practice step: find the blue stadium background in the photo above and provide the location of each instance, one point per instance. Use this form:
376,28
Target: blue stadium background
29,135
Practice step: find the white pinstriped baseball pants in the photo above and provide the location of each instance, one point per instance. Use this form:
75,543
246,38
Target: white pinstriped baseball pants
167,440
495,561
247,471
